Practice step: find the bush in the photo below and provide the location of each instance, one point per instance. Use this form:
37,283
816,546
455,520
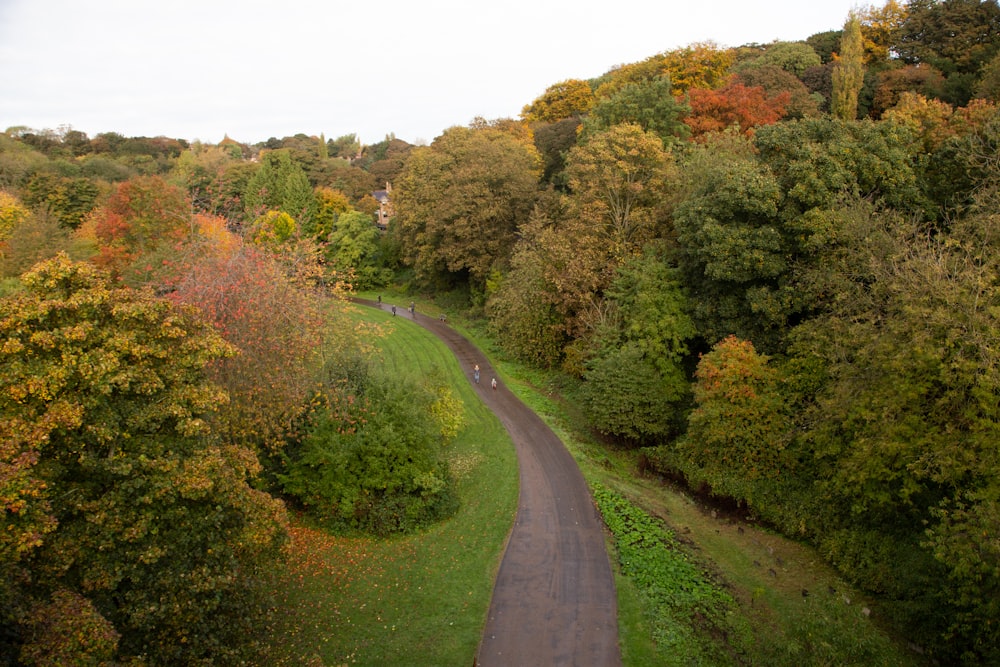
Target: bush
372,460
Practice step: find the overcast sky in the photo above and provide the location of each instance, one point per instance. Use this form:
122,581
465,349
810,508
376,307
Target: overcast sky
255,69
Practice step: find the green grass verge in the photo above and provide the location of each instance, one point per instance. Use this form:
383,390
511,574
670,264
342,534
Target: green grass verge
421,599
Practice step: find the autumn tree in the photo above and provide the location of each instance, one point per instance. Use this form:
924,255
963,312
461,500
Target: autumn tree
277,328
566,99
129,528
701,65
460,201
330,204
616,179
880,27
920,79
144,219
734,105
570,250
802,103
739,427
848,71
12,214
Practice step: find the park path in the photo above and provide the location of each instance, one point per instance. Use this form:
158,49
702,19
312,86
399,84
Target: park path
554,600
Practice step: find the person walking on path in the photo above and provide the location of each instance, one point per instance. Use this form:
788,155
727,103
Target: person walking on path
413,309
394,311
494,384
476,373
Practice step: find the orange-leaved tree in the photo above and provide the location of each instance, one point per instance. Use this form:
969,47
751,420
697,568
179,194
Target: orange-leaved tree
734,105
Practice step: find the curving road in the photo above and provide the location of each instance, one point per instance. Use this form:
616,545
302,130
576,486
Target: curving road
554,600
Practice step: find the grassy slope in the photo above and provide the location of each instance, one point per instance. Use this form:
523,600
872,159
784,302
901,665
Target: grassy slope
415,600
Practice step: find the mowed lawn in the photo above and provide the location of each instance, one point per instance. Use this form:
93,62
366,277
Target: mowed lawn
415,600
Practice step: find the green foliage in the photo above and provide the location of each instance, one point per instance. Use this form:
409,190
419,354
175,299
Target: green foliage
819,160
731,245
901,432
114,486
625,395
279,184
373,459
649,104
354,249
635,384
687,609
69,200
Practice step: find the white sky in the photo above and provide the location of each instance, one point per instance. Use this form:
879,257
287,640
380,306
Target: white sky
254,69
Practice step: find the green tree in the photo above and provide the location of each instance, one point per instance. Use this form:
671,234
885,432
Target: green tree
353,250
281,185
70,200
627,397
636,386
792,57
460,200
124,504
731,249
372,459
648,104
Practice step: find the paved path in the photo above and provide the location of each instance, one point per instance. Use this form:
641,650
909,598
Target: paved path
554,599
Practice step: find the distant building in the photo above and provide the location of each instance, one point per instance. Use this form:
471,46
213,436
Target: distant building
384,207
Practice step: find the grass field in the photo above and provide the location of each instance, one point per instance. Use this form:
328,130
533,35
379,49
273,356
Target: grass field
415,600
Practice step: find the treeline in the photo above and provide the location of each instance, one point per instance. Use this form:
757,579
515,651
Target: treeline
771,268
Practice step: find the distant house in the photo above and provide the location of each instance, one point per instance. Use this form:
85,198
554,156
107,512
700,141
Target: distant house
384,207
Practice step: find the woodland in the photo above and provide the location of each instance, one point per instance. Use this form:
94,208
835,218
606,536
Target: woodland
773,271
